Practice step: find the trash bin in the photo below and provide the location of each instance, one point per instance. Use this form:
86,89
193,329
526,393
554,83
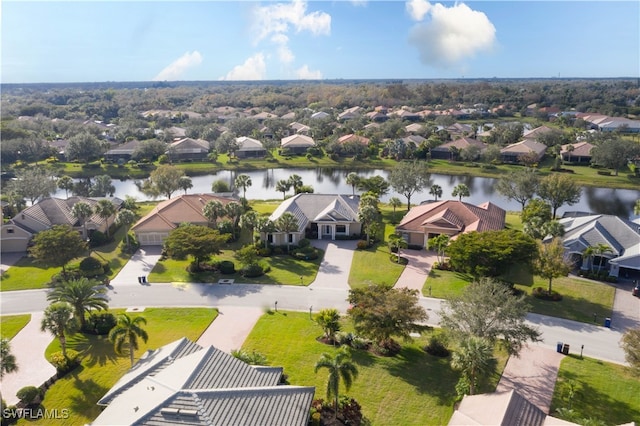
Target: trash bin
559,347
607,322
565,349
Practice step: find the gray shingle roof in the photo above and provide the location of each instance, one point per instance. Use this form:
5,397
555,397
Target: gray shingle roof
319,207
584,231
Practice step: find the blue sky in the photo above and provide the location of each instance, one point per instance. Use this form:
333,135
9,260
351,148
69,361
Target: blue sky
239,40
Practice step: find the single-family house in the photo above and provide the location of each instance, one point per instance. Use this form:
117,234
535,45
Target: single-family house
579,152
320,216
353,138
299,128
15,239
297,144
513,153
183,383
123,152
405,114
621,236
457,130
188,149
176,132
288,116
377,116
263,116
535,133
320,115
249,148
449,217
445,150
413,139
414,128
350,113
152,229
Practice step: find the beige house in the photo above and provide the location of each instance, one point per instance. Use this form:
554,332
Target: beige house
14,238
152,229
297,143
513,153
449,217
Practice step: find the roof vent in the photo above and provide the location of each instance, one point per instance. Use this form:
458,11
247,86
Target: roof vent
185,412
169,411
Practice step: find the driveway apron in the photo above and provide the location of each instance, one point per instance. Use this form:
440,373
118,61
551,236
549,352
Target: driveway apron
417,270
230,328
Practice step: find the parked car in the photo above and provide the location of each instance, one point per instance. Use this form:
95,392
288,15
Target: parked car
636,289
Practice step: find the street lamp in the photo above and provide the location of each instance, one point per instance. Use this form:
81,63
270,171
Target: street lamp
276,304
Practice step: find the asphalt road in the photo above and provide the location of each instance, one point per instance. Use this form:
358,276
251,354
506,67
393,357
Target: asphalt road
599,342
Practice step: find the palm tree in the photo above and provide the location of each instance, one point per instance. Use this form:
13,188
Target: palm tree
126,217
248,221
588,253
185,183
82,211
66,183
340,368
213,210
601,249
354,180
368,215
395,203
436,191
296,182
439,243
329,320
474,358
8,362
82,294
461,190
105,209
126,333
243,181
234,211
287,223
396,242
265,226
57,320
283,186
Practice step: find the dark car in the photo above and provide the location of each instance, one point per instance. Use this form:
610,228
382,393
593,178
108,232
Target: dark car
636,289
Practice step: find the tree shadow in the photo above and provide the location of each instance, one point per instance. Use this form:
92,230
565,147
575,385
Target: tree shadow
93,349
90,393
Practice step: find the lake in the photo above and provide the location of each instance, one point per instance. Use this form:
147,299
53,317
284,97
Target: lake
331,181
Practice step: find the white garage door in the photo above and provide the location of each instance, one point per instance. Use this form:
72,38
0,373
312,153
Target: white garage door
152,238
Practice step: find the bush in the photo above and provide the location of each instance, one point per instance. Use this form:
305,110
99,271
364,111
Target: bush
334,156
100,323
264,252
227,267
226,227
488,166
358,342
252,271
436,346
394,258
604,172
30,395
91,267
362,245
344,338
278,251
97,238
65,364
304,243
542,294
163,159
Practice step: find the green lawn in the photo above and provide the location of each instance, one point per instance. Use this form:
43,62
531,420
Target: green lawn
101,367
10,325
601,390
581,298
412,388
373,266
265,207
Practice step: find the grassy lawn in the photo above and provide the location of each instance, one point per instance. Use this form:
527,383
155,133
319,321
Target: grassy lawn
581,298
284,270
373,266
604,391
101,367
513,220
412,388
10,325
265,207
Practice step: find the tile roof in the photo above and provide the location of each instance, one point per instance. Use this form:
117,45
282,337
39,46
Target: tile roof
249,144
580,149
190,145
353,138
297,141
524,147
461,144
534,133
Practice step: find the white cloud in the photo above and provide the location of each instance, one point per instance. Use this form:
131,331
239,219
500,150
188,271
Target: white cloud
304,73
177,68
281,17
418,9
254,68
359,2
285,54
452,35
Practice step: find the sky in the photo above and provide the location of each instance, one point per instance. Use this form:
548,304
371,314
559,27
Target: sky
93,41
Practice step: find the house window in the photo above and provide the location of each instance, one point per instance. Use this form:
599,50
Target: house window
270,238
10,230
290,237
341,229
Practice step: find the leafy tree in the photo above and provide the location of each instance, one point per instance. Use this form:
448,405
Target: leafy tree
353,179
551,261
395,203
57,246
396,242
436,191
283,186
243,181
408,178
329,320
439,243
474,358
536,208
461,190
220,186
127,332
631,345
287,223
85,147
33,184
538,229
615,153
375,184
165,180
340,368
66,183
105,209
82,211
185,183
126,218
488,309
247,255
379,313
102,187
57,320
149,150
213,210
491,253
296,183
519,185
8,362
83,295
557,190
199,242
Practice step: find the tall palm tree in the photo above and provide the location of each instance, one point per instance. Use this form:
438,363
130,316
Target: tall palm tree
474,358
57,320
296,182
248,221
436,191
126,333
461,190
588,253
243,181
213,210
66,183
82,211
396,242
82,294
395,202
8,362
185,183
234,211
126,218
600,250
283,186
287,223
353,179
265,226
340,368
105,209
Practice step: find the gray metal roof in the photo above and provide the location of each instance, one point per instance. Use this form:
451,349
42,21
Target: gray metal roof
319,207
618,233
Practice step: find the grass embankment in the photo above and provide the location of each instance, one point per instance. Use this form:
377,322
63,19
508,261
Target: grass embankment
412,388
101,367
597,389
10,325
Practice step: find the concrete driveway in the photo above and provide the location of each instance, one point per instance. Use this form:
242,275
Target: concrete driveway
417,270
141,263
335,267
7,260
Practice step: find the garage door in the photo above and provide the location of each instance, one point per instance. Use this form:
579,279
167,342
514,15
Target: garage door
152,238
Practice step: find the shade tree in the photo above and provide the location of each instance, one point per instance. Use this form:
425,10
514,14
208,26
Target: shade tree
165,180
552,262
57,246
519,185
407,178
558,190
199,242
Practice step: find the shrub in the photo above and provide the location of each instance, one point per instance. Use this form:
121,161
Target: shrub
488,166
304,243
65,364
264,251
604,172
163,159
358,342
100,323
278,251
91,267
334,156
225,227
394,258
252,271
97,238
227,267
436,346
30,395
362,245
541,293
344,338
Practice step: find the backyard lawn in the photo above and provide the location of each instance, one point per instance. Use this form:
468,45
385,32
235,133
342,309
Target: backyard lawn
412,388
601,390
101,367
10,325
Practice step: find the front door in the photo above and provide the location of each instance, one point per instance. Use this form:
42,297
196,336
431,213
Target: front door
326,231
